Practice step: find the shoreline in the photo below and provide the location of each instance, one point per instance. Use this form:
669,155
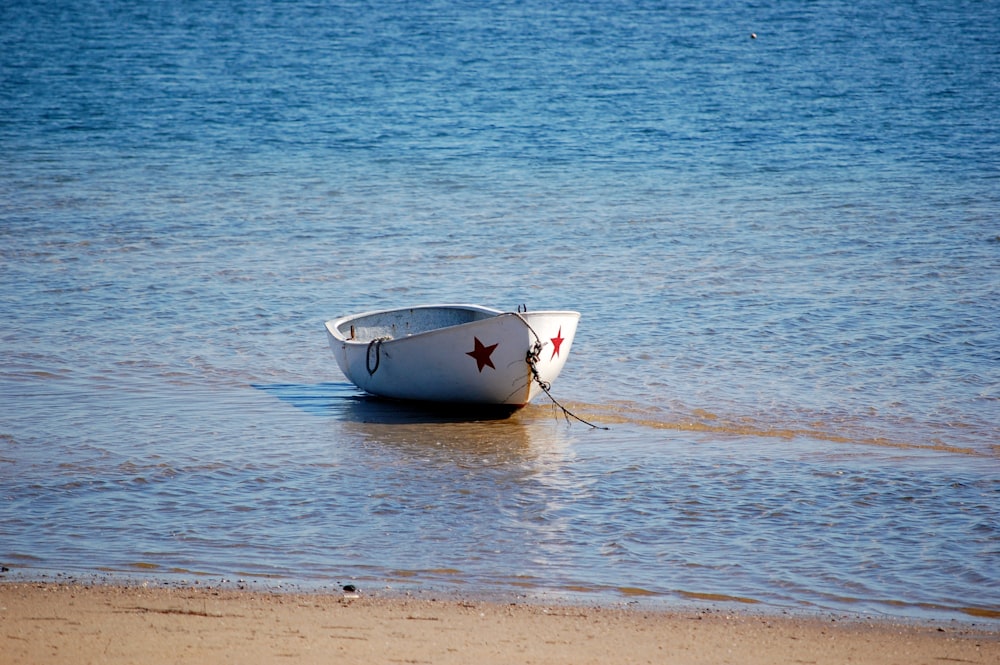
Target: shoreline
51,622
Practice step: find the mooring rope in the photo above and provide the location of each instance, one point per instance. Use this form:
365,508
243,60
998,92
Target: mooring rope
532,358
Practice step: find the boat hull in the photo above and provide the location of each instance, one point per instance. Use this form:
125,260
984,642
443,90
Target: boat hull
453,353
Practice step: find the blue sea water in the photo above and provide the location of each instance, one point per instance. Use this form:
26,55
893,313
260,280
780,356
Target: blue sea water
780,222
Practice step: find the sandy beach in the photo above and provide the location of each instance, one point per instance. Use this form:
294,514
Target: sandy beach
54,623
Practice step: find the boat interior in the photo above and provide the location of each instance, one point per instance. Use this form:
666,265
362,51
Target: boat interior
405,322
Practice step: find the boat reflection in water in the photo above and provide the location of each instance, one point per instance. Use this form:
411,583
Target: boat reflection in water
485,432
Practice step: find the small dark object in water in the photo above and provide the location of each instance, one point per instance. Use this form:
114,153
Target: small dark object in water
350,588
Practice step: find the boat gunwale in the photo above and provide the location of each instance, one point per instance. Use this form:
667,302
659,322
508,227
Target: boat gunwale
334,325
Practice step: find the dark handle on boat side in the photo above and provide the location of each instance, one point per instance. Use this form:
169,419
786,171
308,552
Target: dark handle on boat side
377,344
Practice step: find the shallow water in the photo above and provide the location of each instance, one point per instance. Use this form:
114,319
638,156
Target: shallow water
785,250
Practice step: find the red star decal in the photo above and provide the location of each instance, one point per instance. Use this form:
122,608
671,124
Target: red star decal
556,343
482,354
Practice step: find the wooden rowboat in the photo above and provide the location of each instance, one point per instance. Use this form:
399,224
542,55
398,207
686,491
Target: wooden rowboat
464,354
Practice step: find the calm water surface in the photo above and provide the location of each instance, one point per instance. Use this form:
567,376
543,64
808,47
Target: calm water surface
786,252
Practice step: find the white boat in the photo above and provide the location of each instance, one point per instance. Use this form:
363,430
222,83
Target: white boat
453,353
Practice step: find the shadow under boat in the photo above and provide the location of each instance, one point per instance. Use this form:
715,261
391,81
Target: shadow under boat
452,433
344,401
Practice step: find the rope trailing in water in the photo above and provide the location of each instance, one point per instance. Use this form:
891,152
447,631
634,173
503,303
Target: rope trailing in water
532,357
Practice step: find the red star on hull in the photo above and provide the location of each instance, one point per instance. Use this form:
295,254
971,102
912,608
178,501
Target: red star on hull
482,354
556,343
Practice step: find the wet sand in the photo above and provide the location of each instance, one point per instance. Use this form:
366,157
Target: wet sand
53,623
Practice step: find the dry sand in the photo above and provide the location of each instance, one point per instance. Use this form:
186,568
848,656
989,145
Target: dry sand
51,623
